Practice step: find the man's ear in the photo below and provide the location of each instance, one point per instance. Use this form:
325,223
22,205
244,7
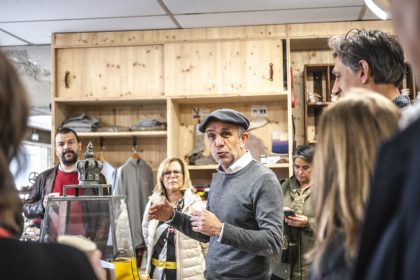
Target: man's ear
244,139
365,72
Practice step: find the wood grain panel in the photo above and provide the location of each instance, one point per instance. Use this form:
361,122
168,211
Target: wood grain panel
125,72
223,67
329,29
125,38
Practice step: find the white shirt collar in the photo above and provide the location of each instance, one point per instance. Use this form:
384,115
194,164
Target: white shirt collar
237,165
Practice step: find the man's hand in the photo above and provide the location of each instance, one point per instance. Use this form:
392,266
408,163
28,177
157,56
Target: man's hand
161,211
44,202
94,258
206,223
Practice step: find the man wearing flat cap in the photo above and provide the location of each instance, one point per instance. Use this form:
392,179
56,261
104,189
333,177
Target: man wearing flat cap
244,217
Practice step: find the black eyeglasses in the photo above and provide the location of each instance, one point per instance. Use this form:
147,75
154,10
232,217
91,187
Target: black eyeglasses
167,174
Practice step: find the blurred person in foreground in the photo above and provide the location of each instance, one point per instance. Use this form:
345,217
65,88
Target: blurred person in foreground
390,241
299,222
28,260
172,255
350,132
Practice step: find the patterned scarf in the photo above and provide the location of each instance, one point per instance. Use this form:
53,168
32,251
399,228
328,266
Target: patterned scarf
298,198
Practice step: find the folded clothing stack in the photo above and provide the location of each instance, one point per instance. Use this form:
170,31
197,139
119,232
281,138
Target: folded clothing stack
82,123
148,125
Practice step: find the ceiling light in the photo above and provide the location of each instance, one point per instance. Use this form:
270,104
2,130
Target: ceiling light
379,7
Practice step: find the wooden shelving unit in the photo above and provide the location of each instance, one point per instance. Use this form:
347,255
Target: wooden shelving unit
123,77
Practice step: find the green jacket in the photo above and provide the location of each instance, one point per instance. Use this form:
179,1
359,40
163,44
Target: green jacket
300,269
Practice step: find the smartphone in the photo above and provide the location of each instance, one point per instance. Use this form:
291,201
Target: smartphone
289,213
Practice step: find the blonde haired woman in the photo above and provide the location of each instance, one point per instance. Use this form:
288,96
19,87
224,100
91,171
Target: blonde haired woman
350,132
171,254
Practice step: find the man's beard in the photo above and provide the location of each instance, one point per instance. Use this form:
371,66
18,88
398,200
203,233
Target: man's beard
69,161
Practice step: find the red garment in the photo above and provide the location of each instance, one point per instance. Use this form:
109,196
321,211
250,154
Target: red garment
4,232
76,225
64,178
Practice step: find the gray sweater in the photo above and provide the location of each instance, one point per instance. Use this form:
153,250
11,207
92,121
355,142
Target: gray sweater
250,204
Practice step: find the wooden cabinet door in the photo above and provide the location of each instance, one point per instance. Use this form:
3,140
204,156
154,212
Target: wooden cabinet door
223,67
109,72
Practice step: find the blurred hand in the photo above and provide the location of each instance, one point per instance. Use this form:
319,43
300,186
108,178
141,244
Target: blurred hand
161,211
94,259
53,194
89,248
298,221
206,223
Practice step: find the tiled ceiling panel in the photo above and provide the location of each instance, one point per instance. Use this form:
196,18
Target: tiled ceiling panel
269,17
205,6
8,40
40,32
34,10
35,20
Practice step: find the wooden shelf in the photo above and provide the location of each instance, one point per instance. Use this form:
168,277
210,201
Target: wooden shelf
214,166
109,101
125,134
202,167
231,98
318,104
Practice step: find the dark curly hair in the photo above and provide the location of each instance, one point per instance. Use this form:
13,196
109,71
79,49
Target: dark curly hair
382,52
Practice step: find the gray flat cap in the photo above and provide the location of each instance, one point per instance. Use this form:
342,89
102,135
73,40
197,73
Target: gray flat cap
225,115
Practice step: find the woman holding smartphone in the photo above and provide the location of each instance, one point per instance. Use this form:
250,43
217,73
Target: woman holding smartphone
299,222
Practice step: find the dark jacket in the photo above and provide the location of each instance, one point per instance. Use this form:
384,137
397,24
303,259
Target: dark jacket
43,185
30,260
305,237
333,263
390,241
97,227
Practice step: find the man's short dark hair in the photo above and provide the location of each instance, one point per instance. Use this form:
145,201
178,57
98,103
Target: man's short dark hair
382,52
65,130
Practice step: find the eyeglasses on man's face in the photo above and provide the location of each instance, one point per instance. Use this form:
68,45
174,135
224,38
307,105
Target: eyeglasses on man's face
167,173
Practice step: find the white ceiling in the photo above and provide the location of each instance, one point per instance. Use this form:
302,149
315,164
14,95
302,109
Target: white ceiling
31,22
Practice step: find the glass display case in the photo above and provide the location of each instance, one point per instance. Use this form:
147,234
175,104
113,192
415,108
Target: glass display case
102,219
91,213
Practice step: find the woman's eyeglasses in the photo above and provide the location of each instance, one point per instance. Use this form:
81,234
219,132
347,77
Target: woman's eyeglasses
303,168
168,173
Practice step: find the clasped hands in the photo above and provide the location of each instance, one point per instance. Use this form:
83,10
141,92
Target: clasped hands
202,221
299,221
